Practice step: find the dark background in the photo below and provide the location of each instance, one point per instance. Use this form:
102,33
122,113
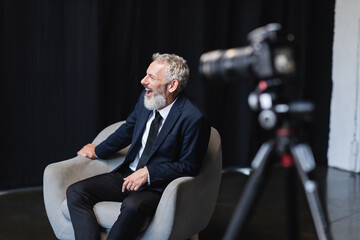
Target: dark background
70,68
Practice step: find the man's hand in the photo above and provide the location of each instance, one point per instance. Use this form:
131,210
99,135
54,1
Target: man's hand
87,151
134,181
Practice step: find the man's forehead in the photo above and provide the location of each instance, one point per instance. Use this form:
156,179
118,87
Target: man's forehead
155,67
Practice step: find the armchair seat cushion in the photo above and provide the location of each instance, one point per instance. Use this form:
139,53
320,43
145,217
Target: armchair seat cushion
106,212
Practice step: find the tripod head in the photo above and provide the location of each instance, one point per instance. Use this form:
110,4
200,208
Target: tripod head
274,110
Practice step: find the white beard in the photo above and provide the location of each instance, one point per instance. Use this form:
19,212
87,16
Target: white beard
155,102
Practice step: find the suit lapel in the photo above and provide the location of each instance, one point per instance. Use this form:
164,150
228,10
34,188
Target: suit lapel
144,116
138,133
140,128
170,121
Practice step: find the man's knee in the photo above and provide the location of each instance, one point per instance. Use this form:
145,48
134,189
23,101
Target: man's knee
75,193
132,205
139,205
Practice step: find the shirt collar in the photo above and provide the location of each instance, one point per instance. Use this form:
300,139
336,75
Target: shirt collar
164,112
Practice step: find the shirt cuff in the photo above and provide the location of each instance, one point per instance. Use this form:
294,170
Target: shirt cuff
148,180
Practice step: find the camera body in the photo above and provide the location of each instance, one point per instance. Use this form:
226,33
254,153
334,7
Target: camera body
270,58
269,55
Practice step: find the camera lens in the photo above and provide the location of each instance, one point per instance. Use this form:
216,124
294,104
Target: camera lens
226,64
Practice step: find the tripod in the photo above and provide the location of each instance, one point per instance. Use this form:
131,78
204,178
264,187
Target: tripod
293,155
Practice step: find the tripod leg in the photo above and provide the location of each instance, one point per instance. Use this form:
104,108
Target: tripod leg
292,221
304,162
246,202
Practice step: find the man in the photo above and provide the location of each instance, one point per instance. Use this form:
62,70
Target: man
168,137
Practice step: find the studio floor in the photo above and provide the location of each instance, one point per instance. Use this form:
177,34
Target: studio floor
23,216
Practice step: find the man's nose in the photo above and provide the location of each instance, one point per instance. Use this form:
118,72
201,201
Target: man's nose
144,81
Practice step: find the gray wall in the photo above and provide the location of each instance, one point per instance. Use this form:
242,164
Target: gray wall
344,135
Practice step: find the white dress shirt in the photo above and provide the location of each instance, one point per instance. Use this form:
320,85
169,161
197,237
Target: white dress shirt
164,113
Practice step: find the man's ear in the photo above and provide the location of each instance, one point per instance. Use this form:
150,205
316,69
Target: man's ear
173,86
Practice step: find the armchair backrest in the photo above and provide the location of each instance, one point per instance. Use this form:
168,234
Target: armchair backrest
115,159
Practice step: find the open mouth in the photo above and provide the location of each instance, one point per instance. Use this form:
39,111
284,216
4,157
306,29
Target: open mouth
149,92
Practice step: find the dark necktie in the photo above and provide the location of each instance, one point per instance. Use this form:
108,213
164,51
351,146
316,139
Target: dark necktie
154,129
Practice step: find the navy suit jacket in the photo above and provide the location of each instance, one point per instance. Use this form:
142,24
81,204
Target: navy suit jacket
178,150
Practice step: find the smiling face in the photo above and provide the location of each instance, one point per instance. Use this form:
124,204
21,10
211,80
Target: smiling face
159,92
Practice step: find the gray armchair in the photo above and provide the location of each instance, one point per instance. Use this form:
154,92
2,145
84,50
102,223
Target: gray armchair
185,208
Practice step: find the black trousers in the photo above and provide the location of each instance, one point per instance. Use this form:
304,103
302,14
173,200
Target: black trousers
136,206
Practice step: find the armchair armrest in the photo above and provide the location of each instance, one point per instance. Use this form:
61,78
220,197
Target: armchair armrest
59,176
182,198
164,218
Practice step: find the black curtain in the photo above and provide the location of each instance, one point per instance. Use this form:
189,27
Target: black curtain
70,68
